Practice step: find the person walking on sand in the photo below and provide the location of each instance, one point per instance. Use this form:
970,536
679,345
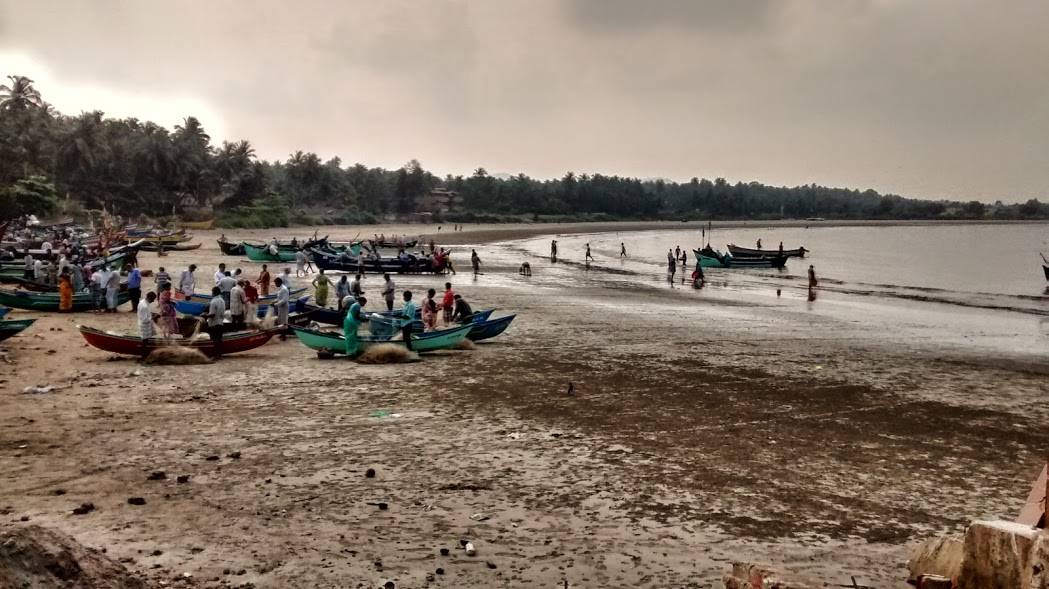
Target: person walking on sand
280,305
264,282
134,286
187,282
622,250
320,285
168,323
300,263
65,292
448,302
553,250
475,261
389,291
588,257
759,243
408,318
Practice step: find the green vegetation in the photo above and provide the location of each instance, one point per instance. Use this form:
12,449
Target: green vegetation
135,168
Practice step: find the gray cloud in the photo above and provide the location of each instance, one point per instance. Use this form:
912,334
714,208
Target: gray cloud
933,98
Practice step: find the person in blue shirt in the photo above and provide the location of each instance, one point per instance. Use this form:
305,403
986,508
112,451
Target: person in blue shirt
353,321
408,318
134,286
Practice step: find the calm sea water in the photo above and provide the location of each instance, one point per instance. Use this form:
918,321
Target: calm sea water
974,287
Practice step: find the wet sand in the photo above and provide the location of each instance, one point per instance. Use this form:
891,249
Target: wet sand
682,450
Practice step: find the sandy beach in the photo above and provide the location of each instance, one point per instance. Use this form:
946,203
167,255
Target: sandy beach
683,448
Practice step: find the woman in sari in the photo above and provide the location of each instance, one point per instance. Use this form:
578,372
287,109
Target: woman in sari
65,292
321,284
167,311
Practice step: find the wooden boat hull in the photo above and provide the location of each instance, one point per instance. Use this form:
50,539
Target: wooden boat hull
732,262
326,261
336,317
34,301
202,298
175,247
746,252
135,346
14,327
334,343
231,249
262,254
196,308
487,329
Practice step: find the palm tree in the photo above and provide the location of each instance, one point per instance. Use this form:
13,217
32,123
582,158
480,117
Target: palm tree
20,95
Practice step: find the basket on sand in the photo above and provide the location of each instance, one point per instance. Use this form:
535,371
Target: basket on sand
177,356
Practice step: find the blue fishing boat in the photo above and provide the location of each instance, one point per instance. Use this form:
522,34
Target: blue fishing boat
206,298
11,328
3,311
487,329
196,308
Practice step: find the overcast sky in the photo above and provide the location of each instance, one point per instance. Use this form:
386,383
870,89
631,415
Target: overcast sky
929,98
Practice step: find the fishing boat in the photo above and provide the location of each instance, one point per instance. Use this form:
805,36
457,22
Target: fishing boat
14,327
196,308
197,225
37,301
336,317
192,326
231,249
129,345
746,252
257,253
151,246
11,274
4,311
487,329
719,260
328,260
386,243
328,344
206,298
117,256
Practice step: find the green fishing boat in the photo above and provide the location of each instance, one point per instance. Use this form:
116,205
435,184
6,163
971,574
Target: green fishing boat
328,342
11,328
48,301
261,254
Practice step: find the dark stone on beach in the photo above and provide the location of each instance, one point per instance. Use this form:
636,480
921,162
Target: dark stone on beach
378,565
157,475
60,491
491,565
234,455
182,478
269,480
444,552
84,509
158,552
24,518
383,506
463,543
242,572
212,458
370,473
439,571
226,571
389,585
136,501
430,578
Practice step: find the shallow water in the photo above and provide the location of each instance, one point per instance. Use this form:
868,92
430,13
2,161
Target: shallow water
970,288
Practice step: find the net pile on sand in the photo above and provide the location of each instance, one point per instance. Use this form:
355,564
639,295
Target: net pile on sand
386,354
465,345
269,321
177,356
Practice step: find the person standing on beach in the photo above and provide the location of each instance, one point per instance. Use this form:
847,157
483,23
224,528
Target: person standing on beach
264,282
300,263
161,278
65,293
677,253
342,290
429,312
448,302
168,322
320,285
622,250
215,315
226,285
355,287
408,316
813,283
220,273
389,291
187,282
286,279
684,265
351,323
671,265
280,305
553,250
251,301
475,261
112,283
134,286
145,316
237,304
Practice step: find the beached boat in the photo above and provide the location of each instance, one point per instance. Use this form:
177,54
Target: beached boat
746,252
191,326
336,317
327,260
487,329
196,308
14,327
37,301
718,260
262,253
4,311
206,298
117,256
150,246
135,346
333,343
1046,270
197,225
231,249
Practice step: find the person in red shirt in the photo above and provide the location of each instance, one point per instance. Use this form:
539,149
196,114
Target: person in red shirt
448,302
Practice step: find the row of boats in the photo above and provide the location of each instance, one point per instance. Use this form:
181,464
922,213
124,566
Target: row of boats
360,256
743,257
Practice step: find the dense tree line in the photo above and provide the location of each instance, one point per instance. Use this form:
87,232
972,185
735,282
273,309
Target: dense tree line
50,160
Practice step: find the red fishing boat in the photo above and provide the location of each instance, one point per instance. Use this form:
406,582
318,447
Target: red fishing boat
135,346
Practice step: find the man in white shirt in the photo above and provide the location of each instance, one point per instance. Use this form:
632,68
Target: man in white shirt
220,273
145,316
30,266
281,303
238,304
215,316
286,278
388,290
226,284
186,281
